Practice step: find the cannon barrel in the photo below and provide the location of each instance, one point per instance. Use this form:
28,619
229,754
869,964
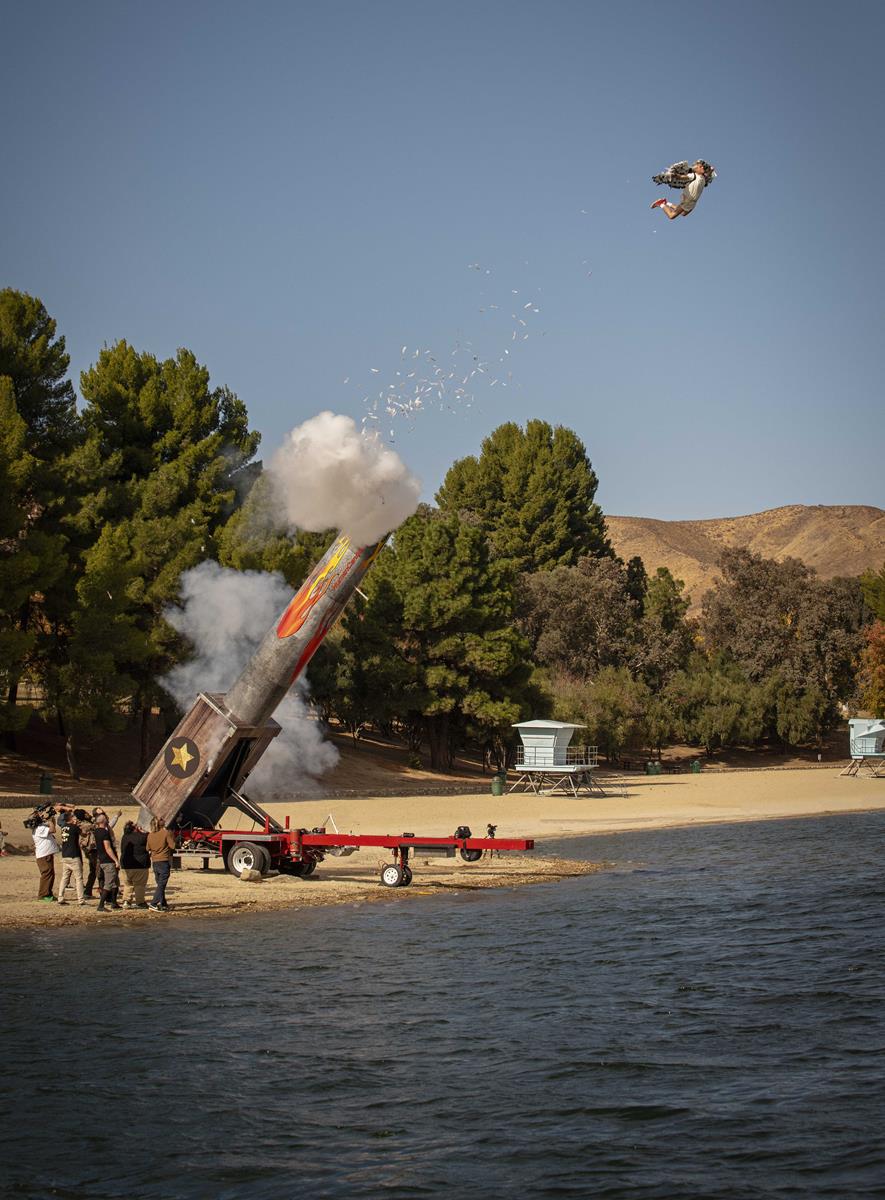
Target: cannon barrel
290,643
202,767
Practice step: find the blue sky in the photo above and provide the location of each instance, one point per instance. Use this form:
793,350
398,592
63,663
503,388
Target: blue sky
297,191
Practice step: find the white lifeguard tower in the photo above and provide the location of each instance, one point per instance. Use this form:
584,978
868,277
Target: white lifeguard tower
547,765
866,737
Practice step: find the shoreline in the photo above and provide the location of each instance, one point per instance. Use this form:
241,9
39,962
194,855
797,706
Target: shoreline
194,892
631,805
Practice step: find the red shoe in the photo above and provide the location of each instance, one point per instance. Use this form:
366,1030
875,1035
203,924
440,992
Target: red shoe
658,203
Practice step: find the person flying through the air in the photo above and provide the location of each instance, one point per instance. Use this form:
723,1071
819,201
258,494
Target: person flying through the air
692,178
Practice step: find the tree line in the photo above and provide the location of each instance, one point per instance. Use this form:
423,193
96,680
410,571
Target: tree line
504,600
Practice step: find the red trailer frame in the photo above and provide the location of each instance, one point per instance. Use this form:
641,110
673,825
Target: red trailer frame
300,851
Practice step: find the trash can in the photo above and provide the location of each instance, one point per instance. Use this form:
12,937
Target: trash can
695,766
498,782
649,768
46,784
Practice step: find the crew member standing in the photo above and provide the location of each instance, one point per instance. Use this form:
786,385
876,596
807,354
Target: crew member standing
45,850
108,864
71,862
87,841
135,861
160,844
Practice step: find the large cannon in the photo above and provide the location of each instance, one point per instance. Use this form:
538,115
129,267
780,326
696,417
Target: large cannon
203,766
201,770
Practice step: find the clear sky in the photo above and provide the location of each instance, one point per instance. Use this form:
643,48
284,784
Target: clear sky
296,191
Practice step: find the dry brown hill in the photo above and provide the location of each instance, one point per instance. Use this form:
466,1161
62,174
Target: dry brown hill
835,539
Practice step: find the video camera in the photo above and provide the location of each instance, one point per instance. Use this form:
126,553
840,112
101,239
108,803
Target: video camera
39,817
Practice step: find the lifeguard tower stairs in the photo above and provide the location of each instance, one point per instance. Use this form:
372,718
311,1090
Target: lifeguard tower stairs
867,747
547,765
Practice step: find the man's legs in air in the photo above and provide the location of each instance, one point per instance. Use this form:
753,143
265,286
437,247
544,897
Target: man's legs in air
670,211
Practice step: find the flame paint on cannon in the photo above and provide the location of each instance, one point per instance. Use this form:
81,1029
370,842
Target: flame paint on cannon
288,647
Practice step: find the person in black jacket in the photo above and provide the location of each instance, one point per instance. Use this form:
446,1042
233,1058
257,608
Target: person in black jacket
71,862
135,862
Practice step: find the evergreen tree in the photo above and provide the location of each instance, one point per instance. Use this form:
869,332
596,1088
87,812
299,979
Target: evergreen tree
667,636
873,585
36,362
637,582
166,461
90,648
19,566
532,492
714,704
446,655
613,708
38,428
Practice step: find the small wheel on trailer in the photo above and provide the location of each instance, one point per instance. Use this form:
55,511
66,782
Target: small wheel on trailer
392,875
471,855
407,877
302,869
247,856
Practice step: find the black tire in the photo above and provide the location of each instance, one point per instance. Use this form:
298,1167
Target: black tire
407,877
302,869
247,856
471,855
392,875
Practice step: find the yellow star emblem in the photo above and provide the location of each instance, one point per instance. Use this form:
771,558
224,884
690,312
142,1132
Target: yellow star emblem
181,757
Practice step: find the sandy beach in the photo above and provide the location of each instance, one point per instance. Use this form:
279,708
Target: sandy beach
629,804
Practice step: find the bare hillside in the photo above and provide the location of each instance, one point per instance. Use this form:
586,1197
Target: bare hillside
834,539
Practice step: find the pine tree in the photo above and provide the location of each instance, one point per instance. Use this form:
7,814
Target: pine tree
532,492
873,585
165,462
667,636
443,632
38,428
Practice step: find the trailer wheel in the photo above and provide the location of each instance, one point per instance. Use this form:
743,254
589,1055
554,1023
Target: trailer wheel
407,876
471,855
247,856
302,869
392,875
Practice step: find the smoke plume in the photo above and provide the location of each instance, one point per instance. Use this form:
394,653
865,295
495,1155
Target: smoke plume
327,474
224,614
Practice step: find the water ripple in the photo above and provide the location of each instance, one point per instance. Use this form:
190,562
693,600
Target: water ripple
706,1019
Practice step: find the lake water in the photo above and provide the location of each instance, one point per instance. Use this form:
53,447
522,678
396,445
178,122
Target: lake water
706,1018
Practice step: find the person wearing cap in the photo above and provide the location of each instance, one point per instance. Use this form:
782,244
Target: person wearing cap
701,174
87,842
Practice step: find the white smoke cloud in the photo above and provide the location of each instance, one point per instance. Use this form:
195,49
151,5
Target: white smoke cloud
225,614
329,475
